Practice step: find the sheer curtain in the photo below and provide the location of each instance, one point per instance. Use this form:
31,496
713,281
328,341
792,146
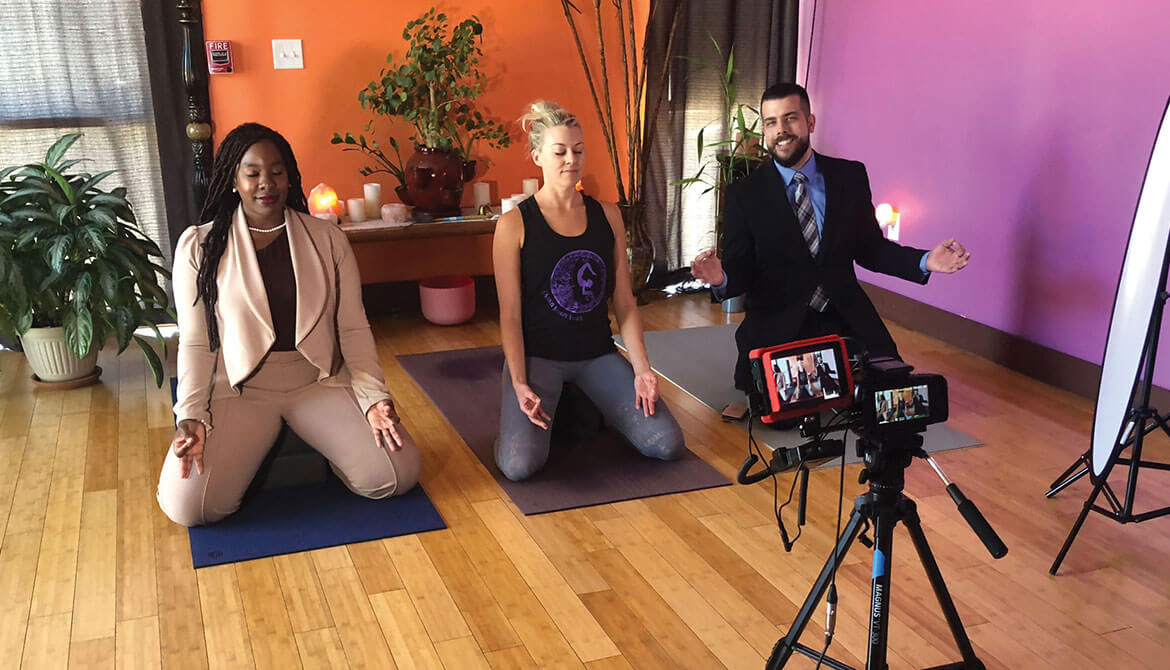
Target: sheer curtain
80,65
763,32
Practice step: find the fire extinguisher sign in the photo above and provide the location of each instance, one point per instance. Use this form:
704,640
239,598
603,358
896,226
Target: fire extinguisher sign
219,57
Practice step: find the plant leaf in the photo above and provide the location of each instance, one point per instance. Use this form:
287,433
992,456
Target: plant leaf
23,215
152,360
82,289
92,181
79,331
57,151
124,325
55,254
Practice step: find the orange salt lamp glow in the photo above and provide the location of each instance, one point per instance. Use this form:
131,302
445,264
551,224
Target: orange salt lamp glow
323,200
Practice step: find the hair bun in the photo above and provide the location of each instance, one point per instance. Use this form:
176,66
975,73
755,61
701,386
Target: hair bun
541,115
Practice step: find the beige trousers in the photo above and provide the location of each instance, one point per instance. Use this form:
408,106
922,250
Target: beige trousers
328,418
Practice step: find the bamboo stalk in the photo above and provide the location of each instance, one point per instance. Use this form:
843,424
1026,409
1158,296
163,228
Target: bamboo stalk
609,141
630,121
634,119
608,119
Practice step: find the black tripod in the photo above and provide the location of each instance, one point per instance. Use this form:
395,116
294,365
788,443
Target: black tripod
1141,419
885,506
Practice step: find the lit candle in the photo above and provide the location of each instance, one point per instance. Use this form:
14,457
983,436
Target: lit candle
357,209
531,186
483,194
373,193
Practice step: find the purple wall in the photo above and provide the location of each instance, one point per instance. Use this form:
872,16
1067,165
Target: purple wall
1020,127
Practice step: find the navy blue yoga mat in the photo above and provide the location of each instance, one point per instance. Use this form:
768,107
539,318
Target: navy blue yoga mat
299,518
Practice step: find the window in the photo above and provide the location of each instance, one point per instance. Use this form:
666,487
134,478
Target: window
80,65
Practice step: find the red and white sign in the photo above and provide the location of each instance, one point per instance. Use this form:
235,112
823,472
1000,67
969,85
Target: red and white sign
219,57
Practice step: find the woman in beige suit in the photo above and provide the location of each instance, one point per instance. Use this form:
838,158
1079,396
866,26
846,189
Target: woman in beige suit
272,328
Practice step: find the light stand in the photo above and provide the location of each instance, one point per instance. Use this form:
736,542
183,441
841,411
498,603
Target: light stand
1142,420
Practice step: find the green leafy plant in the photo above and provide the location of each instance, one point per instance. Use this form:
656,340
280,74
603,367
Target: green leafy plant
382,162
724,160
72,255
433,87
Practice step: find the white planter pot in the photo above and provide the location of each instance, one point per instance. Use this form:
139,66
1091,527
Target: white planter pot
51,359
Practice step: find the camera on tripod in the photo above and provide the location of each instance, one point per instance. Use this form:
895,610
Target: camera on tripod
888,407
882,397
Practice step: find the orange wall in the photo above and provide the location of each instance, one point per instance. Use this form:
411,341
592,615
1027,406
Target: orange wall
529,53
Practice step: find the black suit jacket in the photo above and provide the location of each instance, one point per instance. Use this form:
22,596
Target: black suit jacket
766,258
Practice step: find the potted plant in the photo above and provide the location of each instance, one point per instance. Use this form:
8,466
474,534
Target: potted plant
723,161
382,162
75,267
433,87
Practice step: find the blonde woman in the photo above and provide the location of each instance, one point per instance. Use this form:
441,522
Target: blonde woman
559,259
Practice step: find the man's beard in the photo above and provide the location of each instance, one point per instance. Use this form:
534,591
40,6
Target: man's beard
799,149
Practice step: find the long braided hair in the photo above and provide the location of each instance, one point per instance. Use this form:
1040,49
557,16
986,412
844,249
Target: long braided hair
222,201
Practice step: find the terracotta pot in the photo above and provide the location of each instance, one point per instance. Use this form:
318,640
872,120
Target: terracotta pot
434,181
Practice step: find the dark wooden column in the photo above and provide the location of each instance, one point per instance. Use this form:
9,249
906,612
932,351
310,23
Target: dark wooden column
195,83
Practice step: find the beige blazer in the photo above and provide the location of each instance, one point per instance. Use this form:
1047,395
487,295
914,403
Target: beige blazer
331,327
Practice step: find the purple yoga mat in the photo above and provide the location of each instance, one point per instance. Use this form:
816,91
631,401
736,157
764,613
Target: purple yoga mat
465,385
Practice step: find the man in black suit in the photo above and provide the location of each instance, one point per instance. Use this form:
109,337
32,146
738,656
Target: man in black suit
793,229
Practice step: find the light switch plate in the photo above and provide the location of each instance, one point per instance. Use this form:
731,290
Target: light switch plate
287,55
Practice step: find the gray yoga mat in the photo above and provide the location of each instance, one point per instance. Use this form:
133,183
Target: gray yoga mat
602,468
701,360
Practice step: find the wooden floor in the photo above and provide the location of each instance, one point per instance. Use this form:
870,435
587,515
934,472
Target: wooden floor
93,575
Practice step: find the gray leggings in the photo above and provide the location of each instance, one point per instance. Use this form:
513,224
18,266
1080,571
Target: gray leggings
522,448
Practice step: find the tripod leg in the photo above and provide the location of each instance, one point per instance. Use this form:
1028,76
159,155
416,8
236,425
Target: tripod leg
879,598
926,556
1072,534
787,644
1067,478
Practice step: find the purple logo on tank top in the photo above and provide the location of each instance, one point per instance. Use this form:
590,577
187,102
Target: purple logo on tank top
577,283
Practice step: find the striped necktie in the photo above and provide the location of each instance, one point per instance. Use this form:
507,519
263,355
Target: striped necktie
812,235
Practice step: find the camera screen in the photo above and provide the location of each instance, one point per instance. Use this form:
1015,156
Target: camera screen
809,376
902,404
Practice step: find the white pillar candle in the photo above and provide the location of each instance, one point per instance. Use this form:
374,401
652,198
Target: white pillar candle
373,193
507,204
357,209
517,197
483,194
531,186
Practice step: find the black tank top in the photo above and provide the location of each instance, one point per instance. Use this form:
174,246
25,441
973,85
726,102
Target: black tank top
565,285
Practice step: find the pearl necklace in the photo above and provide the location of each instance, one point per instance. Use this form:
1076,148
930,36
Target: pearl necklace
265,230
